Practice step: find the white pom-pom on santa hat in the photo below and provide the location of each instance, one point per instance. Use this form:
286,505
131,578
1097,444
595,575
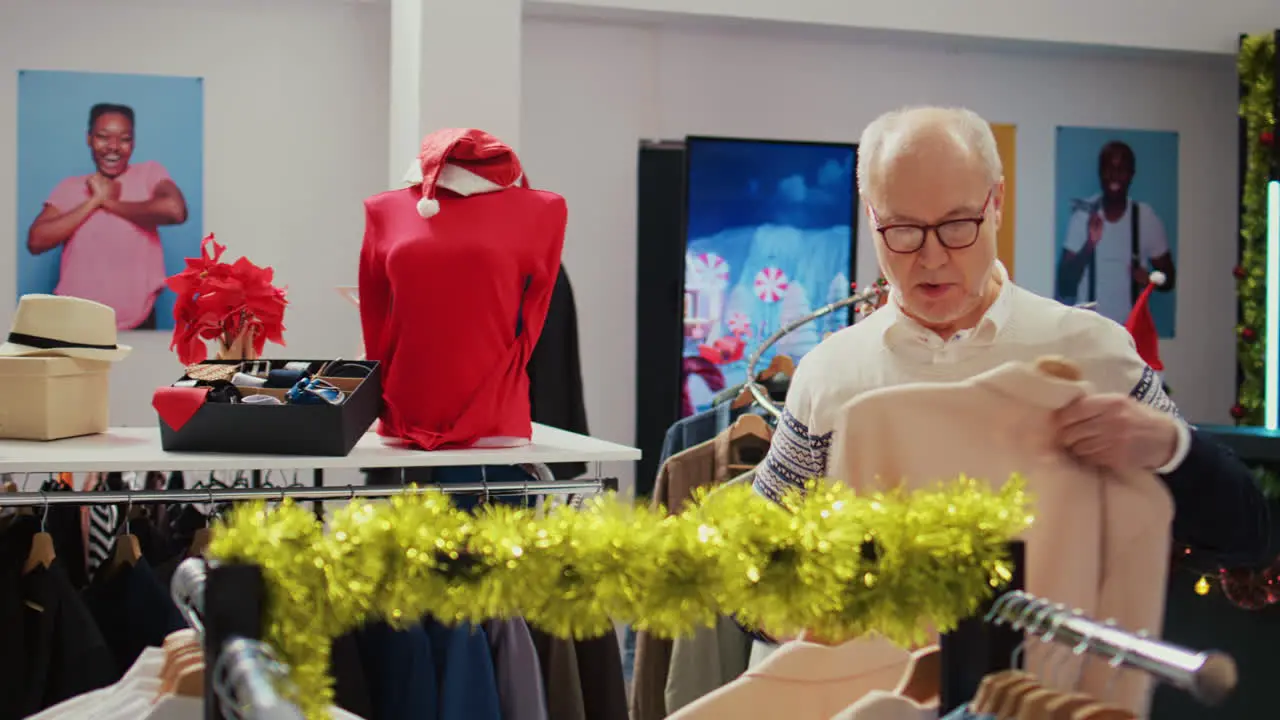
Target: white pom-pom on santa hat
428,207
1157,278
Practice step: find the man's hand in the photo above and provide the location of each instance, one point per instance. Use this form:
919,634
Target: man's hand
1095,230
103,189
1139,274
1116,432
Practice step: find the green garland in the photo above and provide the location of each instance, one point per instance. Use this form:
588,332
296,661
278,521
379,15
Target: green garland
1257,107
831,562
1256,66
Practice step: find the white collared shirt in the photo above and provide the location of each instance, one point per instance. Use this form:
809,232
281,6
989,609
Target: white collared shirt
889,348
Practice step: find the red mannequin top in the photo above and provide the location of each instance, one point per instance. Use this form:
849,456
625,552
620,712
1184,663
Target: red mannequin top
454,291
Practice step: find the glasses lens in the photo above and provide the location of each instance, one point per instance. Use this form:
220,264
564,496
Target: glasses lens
958,233
903,239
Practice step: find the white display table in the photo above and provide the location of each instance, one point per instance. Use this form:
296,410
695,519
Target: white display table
138,449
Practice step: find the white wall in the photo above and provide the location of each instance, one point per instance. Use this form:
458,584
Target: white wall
592,89
1181,25
295,137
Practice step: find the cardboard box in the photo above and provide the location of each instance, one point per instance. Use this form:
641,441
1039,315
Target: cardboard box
50,398
248,429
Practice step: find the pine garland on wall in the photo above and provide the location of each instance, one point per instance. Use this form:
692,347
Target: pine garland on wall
1257,107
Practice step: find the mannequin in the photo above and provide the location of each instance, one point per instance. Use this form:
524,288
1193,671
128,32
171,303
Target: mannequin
456,274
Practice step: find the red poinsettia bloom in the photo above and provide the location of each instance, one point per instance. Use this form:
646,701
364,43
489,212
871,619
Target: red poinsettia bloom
222,301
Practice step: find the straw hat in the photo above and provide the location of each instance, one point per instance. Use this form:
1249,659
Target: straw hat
64,326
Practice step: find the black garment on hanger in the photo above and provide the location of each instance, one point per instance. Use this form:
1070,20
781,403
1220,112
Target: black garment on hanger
555,373
52,649
132,610
604,692
350,687
63,523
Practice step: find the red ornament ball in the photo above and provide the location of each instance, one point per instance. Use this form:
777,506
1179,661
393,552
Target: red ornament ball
1237,411
853,286
1248,334
1267,138
1239,272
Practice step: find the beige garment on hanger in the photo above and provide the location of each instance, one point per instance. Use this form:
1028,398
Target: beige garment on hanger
1100,541
805,681
881,705
702,465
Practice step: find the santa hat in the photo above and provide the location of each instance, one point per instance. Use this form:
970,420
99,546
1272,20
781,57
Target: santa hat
463,161
1143,328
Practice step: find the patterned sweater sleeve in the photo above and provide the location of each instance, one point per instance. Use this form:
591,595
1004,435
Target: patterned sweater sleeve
796,453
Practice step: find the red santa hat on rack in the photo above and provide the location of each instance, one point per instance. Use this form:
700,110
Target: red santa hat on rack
1143,327
463,161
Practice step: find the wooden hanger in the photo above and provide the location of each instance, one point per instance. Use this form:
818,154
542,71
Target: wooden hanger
922,681
1064,706
779,365
1035,704
1058,367
200,542
127,552
750,426
42,552
1098,711
1006,706
992,689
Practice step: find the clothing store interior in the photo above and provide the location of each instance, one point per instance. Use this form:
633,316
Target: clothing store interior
701,360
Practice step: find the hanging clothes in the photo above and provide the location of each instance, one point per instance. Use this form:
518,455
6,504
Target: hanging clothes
464,672
466,238
132,610
350,686
556,397
702,465
604,694
558,660
52,649
401,671
805,681
516,670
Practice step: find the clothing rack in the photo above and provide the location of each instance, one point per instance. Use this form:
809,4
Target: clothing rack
224,604
761,393
300,492
1209,677
240,672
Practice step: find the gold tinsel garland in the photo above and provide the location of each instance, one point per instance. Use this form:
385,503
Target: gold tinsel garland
1256,68
828,561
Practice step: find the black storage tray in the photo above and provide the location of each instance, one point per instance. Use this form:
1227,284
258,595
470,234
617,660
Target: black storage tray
325,430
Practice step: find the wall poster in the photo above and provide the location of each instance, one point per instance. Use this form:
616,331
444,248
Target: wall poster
1116,199
1007,145
110,188
770,237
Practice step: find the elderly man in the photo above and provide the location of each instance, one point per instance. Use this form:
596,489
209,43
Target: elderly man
933,186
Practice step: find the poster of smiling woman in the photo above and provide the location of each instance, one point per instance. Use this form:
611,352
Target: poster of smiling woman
110,188
1117,220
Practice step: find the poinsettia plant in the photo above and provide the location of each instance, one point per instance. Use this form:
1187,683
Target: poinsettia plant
233,303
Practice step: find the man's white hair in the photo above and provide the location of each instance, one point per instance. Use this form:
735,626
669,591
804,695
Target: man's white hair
964,124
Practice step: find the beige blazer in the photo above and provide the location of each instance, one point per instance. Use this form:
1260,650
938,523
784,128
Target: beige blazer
1100,542
805,681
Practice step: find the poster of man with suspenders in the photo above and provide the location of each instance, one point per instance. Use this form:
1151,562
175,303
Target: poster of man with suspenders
1112,241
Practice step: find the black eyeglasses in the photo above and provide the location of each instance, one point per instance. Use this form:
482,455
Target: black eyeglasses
956,234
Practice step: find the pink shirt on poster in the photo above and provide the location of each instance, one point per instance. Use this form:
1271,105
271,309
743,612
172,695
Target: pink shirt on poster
109,259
